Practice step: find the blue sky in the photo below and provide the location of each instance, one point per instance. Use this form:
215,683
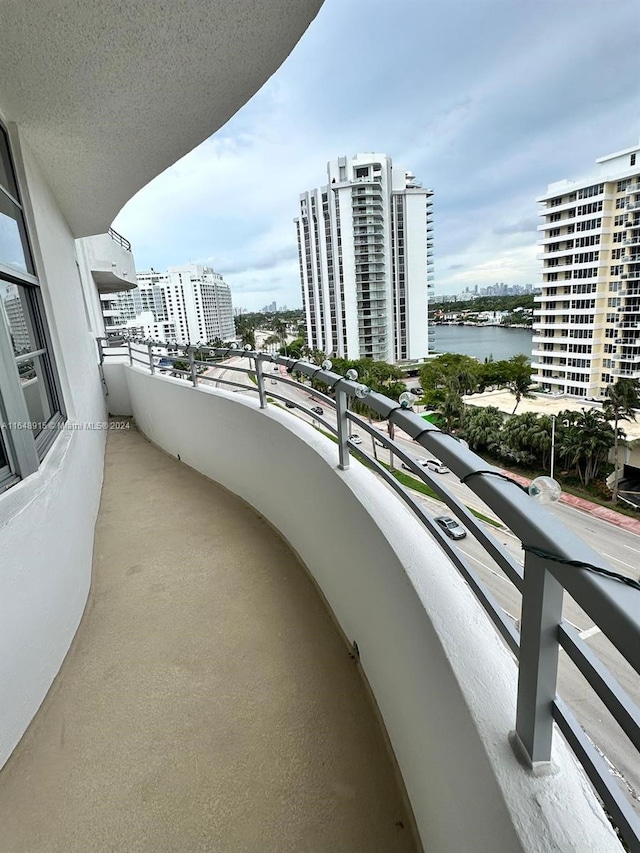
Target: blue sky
486,101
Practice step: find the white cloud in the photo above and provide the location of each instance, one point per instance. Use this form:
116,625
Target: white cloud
487,122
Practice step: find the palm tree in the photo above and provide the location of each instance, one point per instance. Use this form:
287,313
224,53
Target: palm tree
280,328
585,440
519,378
452,408
482,426
623,398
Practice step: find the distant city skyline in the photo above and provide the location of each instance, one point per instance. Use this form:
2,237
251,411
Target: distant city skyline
487,123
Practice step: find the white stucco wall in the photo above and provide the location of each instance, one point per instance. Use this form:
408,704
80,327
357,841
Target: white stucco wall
47,520
443,681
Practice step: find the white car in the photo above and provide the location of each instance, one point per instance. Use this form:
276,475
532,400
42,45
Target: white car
355,438
420,460
436,465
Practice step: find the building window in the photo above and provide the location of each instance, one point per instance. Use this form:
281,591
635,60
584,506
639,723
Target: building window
632,160
30,403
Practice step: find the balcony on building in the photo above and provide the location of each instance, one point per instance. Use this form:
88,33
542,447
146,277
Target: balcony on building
110,261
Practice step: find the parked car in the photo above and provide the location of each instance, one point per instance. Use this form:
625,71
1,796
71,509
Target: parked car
450,527
317,410
417,391
274,382
355,438
436,465
290,405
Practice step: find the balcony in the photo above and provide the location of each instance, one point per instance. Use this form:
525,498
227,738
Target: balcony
110,260
633,188
633,205
224,654
392,591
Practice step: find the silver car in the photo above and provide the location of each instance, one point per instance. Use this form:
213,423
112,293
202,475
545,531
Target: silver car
450,527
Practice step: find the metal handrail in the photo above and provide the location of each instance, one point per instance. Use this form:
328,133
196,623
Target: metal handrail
549,568
119,239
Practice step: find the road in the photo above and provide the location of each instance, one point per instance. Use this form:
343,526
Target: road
619,546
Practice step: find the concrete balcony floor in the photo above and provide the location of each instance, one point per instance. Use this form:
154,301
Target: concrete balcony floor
208,702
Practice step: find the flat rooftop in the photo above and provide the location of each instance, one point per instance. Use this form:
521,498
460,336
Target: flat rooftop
543,404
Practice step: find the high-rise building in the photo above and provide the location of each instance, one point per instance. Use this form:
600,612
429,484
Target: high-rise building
587,326
366,268
187,304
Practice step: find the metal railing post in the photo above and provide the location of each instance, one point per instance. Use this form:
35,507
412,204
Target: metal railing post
151,364
342,405
538,660
260,380
130,354
192,367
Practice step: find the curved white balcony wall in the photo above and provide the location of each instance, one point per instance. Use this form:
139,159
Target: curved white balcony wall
444,683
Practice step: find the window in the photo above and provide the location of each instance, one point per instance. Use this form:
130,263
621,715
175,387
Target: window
30,403
632,160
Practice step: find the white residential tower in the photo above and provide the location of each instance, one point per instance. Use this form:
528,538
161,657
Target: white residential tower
365,247
587,326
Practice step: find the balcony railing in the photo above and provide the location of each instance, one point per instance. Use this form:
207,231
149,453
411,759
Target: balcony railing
555,560
119,239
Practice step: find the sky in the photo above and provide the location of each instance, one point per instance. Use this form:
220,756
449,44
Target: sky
485,101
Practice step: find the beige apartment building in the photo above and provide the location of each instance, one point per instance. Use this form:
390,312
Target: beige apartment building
587,321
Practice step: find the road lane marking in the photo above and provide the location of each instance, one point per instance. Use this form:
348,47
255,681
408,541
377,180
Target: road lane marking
488,568
618,560
590,632
635,550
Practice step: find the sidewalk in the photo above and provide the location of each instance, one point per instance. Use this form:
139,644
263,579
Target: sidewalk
632,525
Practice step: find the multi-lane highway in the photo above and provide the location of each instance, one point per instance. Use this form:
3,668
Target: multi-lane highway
620,547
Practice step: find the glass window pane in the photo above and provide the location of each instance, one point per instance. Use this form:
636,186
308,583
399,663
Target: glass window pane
34,380
13,250
4,458
14,305
7,179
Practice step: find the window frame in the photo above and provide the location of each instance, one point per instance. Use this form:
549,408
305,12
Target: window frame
25,450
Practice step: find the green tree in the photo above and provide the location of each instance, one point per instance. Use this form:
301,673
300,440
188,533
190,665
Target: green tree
493,374
519,378
622,399
280,328
527,438
584,440
452,409
481,427
450,370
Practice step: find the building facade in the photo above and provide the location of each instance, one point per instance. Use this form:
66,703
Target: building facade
587,323
366,268
187,304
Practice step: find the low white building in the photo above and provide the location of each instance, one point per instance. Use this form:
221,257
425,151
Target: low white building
187,304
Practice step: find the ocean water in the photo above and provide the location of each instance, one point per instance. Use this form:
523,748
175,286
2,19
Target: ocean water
482,342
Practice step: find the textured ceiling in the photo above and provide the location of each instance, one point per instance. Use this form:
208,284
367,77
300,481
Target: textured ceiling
109,94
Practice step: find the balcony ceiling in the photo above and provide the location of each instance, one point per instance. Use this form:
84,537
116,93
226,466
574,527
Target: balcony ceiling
108,95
